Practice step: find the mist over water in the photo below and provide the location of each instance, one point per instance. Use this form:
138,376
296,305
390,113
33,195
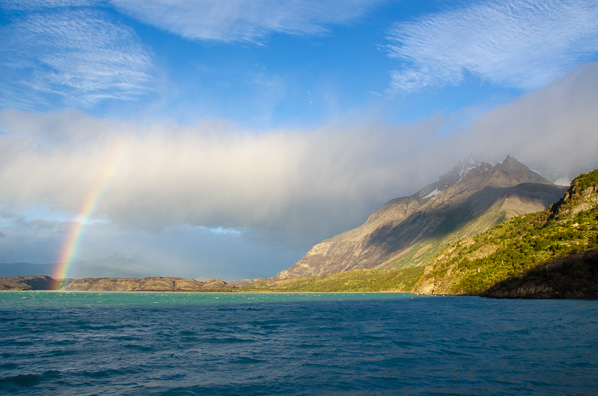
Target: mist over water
196,343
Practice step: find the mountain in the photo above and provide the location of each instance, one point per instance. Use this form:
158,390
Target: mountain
113,266
24,269
550,254
408,232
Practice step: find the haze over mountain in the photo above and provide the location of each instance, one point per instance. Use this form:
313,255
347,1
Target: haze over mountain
112,266
409,231
24,269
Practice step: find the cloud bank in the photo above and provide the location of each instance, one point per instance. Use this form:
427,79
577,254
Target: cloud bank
516,43
293,182
210,175
243,20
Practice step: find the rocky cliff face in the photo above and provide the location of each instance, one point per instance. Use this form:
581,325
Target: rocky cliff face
582,195
409,231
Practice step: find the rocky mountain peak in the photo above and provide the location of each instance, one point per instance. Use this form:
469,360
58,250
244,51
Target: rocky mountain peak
467,200
509,173
458,172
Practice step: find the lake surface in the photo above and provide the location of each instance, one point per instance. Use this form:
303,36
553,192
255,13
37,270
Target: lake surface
307,344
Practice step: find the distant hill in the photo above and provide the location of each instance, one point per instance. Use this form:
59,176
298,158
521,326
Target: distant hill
152,283
409,232
155,283
550,254
23,269
27,282
112,266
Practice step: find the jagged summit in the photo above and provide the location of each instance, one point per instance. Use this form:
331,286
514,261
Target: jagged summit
457,173
448,179
408,231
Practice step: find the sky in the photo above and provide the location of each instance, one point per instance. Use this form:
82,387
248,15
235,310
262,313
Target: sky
223,139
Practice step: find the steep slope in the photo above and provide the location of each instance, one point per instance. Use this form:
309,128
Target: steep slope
547,254
410,231
573,275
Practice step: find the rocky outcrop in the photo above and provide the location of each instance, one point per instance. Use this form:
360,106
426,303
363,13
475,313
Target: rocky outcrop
580,196
146,284
409,231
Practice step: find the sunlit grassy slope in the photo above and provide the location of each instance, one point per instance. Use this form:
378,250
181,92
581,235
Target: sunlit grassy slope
362,280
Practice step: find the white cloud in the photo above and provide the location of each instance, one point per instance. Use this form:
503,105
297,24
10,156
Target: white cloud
516,43
243,20
312,182
307,182
74,56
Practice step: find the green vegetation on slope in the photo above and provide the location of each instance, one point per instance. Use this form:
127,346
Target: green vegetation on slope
515,247
586,180
360,280
472,265
574,275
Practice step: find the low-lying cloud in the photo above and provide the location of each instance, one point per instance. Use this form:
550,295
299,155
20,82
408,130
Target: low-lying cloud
206,175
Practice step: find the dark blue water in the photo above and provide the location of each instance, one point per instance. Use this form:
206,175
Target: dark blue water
235,344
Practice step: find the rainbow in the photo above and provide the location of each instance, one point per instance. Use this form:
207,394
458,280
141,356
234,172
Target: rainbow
71,243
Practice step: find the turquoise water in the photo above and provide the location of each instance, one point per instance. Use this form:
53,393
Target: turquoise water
232,344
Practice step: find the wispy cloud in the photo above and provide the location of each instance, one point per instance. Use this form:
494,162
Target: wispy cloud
244,20
524,44
69,55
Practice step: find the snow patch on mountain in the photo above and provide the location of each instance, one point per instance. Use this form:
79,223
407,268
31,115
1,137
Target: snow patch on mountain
430,195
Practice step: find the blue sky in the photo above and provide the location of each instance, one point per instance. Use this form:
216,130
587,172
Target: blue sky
257,128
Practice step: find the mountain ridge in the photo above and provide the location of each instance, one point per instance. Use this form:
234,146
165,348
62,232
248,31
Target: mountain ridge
548,254
407,231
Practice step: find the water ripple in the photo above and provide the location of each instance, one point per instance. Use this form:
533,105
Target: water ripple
161,343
